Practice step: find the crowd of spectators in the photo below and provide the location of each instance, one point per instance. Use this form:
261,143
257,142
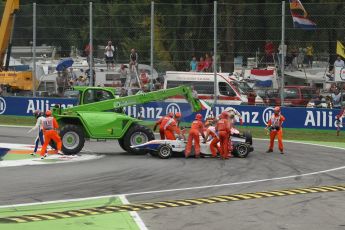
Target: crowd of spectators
203,65
295,57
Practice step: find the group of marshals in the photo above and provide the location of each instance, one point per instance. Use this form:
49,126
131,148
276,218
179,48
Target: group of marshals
216,131
47,131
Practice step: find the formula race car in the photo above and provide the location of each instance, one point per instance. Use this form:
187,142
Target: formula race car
242,146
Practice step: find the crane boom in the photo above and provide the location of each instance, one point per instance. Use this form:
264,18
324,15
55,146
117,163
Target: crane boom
6,27
138,99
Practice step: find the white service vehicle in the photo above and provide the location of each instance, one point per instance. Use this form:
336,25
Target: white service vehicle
229,90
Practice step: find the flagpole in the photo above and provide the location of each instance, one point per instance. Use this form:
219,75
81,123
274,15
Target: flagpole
215,51
283,55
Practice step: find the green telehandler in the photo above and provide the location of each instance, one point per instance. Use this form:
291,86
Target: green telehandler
100,116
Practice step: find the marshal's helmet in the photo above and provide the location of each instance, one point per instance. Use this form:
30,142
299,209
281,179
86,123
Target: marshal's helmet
276,109
37,113
178,115
48,113
198,117
225,115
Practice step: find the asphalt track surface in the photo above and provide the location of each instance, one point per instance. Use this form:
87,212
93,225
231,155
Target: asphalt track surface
146,176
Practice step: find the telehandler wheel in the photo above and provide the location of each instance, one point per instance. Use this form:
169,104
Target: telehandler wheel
73,139
121,143
136,135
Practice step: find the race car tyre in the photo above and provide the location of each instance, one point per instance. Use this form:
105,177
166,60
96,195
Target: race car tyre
242,150
164,151
248,136
136,135
73,139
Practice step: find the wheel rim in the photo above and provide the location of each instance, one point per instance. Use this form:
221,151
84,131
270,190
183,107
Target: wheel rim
165,151
241,150
139,138
70,140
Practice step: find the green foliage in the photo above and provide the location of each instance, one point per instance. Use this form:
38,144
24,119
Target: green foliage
182,28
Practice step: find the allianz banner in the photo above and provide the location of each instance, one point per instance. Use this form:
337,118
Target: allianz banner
25,106
252,115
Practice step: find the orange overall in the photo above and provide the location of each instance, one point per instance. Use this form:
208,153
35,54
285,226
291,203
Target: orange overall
223,128
196,129
161,122
49,125
211,131
275,123
170,129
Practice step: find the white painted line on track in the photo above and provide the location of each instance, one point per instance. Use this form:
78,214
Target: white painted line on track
181,189
134,215
188,188
18,126
57,160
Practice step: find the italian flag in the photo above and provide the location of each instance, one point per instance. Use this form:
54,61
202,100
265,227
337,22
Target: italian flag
205,105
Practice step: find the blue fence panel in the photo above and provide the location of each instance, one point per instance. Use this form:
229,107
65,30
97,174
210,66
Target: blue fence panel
24,106
252,115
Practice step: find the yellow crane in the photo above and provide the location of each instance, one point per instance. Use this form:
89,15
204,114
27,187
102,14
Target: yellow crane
17,80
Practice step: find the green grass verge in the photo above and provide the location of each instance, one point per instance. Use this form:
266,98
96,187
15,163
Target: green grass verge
110,221
17,120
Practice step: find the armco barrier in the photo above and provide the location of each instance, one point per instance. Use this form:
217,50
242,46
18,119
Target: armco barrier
252,115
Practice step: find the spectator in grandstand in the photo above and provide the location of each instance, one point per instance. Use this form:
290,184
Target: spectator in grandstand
193,64
124,76
157,86
336,98
144,78
208,63
309,55
329,102
338,63
281,48
62,81
269,51
71,75
292,58
301,57
123,92
87,51
201,65
109,55
1,90
133,60
88,75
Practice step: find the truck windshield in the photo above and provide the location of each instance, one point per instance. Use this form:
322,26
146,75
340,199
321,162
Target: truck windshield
72,94
242,86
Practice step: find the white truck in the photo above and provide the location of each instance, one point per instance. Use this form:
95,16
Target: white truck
229,90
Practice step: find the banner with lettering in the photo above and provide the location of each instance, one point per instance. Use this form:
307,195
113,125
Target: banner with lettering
251,115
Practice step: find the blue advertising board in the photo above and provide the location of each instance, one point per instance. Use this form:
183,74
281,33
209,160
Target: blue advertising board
252,115
25,106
